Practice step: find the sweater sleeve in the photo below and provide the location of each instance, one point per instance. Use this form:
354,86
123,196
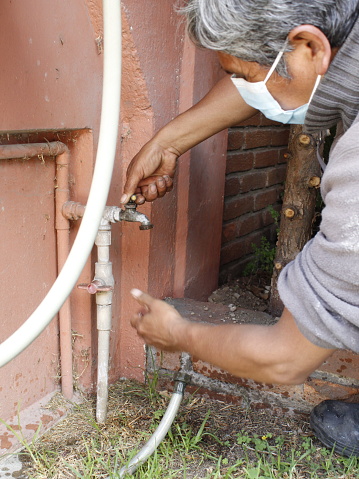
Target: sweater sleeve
321,286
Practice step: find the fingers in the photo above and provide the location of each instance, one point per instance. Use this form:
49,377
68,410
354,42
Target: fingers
169,182
142,298
150,189
159,186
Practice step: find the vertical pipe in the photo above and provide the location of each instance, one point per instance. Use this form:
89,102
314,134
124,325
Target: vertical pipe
62,226
102,371
103,273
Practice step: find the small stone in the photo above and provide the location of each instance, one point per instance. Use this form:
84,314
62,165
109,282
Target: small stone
205,308
232,307
192,313
236,295
210,316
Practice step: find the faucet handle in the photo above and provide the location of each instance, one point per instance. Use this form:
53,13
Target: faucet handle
131,204
96,286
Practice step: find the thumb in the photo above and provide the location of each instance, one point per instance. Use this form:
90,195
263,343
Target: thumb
143,298
130,188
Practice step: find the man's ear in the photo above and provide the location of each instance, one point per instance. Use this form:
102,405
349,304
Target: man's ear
316,43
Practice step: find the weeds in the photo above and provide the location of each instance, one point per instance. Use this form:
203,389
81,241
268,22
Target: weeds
264,254
204,442
263,258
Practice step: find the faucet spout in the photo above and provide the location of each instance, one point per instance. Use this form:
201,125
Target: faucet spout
130,214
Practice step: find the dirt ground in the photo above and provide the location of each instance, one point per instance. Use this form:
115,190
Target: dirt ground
245,292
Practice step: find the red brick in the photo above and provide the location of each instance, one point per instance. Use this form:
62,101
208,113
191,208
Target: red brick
239,248
260,137
265,198
276,175
264,158
257,137
237,206
235,139
279,137
239,161
249,223
252,180
229,232
245,225
232,186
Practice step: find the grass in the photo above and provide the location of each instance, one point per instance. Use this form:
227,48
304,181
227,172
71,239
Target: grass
208,440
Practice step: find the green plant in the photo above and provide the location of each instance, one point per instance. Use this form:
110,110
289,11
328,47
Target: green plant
264,254
263,258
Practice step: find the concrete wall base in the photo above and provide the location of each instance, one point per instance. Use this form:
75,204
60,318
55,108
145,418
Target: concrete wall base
33,422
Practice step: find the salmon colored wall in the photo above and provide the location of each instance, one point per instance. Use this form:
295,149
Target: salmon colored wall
157,85
27,209
50,88
51,70
51,80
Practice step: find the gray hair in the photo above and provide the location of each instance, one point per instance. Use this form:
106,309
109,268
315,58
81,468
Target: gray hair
256,30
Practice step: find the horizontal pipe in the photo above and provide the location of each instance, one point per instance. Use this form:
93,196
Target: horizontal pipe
29,150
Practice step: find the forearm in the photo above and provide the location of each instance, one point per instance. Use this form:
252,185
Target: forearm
221,108
151,171
271,354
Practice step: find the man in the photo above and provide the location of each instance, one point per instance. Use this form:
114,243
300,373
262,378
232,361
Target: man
282,55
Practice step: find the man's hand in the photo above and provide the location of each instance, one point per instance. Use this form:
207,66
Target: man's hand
157,323
150,173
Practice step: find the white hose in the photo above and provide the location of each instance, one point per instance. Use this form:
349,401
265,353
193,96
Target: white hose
96,203
157,436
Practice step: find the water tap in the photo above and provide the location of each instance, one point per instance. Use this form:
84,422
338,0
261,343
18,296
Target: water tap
130,214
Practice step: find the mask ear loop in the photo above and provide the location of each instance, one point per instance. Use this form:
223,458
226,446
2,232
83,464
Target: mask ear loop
317,81
273,67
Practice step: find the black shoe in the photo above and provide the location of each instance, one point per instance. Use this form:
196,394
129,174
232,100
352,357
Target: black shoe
336,425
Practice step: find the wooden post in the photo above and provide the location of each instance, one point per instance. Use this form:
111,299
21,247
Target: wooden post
298,211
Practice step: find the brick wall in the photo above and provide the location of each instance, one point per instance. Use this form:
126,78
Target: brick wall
256,166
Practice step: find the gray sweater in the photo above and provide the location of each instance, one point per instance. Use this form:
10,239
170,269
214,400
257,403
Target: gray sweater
321,286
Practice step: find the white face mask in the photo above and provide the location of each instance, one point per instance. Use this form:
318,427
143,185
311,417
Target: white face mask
257,95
